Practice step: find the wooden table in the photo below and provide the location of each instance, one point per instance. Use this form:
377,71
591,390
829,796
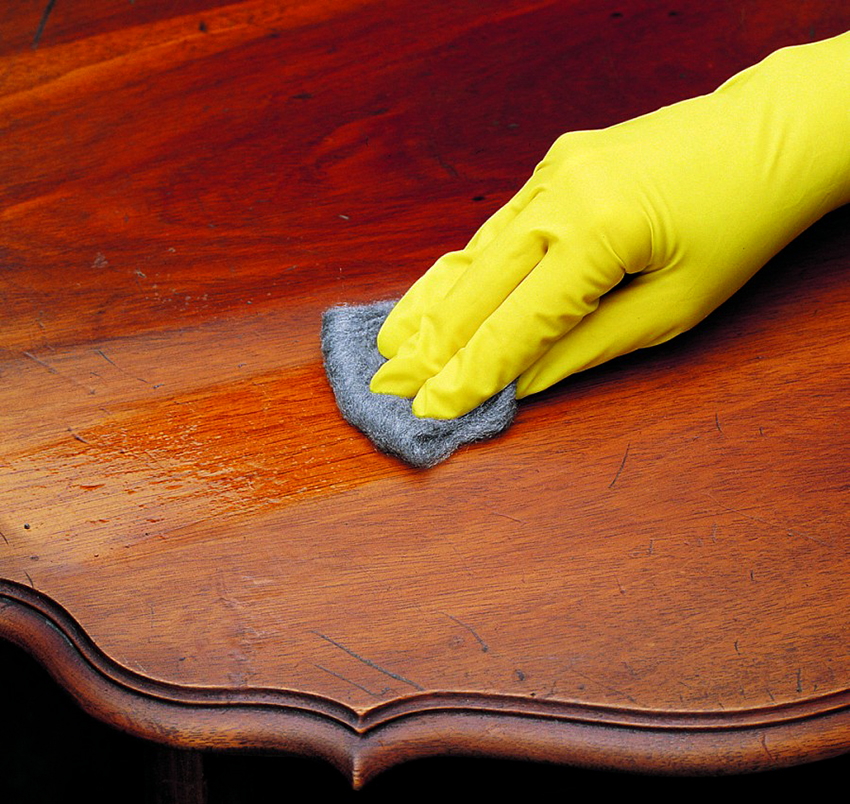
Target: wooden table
648,572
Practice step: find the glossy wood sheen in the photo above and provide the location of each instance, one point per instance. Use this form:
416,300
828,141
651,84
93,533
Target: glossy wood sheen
648,571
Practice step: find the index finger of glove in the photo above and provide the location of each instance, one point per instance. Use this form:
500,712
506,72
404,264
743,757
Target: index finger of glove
447,325
561,290
434,285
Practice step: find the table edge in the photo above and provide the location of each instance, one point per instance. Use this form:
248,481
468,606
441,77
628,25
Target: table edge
361,744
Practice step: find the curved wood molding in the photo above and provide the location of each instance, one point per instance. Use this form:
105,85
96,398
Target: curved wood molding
361,746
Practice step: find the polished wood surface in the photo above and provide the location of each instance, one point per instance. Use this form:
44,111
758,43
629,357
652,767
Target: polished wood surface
649,571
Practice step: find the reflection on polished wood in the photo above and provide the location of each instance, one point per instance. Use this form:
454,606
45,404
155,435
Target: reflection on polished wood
649,571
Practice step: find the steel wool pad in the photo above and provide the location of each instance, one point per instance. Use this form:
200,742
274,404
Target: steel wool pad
349,335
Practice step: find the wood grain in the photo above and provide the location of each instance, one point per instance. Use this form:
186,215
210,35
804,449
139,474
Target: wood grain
648,571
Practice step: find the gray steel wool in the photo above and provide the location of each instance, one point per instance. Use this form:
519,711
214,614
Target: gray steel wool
349,346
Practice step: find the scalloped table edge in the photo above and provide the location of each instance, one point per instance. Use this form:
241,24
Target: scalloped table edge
361,745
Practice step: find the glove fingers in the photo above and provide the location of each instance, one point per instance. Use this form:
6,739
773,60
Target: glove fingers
646,312
447,325
405,318
561,290
403,321
503,216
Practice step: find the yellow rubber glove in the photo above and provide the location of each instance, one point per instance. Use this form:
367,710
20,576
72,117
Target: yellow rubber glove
693,198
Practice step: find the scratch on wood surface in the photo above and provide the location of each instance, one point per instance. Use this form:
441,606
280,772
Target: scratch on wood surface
78,437
347,680
484,646
605,686
47,9
113,363
799,679
768,522
29,579
462,560
107,359
368,662
766,749
622,464
717,423
41,363
4,537
435,152
52,370
508,516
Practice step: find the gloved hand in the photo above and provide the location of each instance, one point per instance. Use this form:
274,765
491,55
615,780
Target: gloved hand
692,199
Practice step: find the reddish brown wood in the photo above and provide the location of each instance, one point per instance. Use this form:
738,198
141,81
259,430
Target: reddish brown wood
649,571
176,776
